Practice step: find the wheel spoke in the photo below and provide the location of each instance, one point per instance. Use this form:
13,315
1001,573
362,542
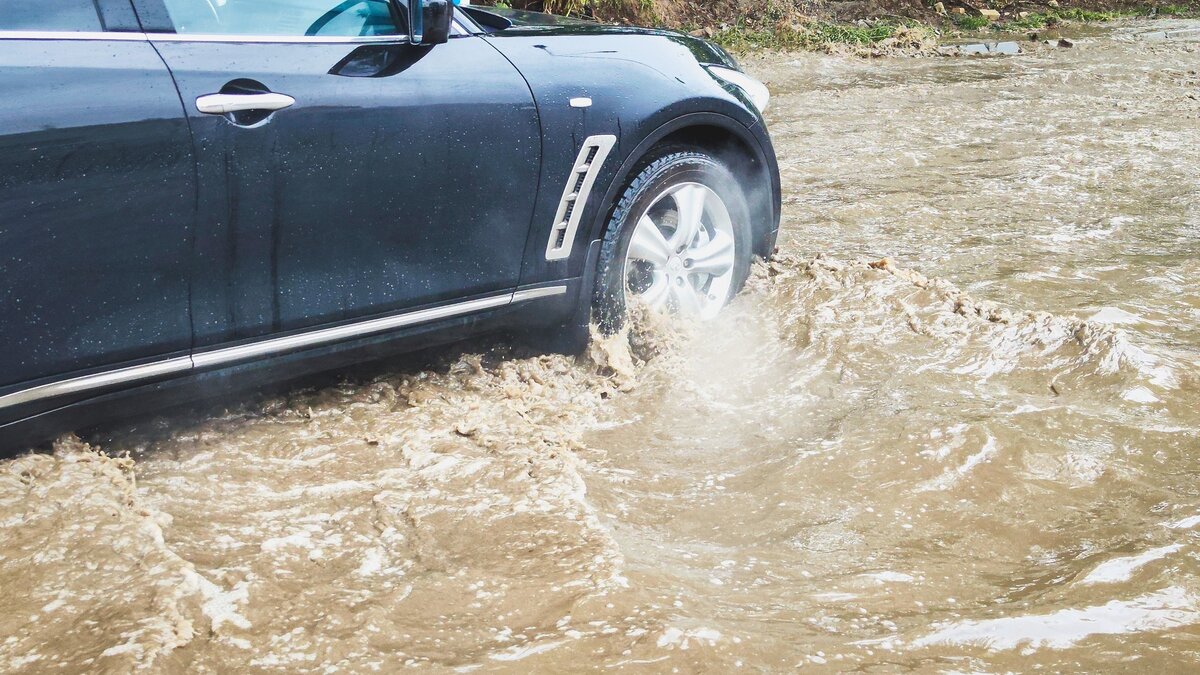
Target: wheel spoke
714,258
660,288
648,243
690,199
687,299
688,270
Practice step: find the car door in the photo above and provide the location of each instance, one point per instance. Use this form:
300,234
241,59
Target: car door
97,199
374,175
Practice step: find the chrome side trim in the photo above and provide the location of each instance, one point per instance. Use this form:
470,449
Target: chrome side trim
198,37
218,357
457,30
312,338
575,193
77,384
70,35
535,293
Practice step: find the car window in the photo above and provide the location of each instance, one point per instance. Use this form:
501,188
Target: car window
325,18
68,15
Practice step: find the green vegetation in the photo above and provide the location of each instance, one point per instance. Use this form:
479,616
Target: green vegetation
743,36
1179,10
1088,15
782,24
853,34
970,22
641,9
1036,20
781,30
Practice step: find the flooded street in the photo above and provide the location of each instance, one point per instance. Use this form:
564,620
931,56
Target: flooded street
954,427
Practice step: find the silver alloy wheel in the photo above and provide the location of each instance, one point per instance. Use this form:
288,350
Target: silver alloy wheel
681,257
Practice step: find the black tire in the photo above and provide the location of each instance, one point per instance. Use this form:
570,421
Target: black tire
661,169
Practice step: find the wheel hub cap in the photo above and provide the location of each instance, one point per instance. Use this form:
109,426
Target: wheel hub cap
682,253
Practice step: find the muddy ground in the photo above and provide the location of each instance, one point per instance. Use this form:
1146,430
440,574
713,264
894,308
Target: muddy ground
955,427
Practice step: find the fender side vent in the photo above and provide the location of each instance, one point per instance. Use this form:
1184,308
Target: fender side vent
575,193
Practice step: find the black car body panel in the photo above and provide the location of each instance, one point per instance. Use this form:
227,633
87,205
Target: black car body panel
440,145
607,64
97,206
406,196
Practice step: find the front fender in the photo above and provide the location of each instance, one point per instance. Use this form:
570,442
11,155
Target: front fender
753,138
642,86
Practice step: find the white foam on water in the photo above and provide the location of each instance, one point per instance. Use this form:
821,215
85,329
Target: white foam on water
1116,316
218,605
951,476
835,596
518,653
1185,523
1140,395
1122,569
1169,608
302,539
372,561
890,577
675,637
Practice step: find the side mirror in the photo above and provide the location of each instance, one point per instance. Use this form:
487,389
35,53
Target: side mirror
429,21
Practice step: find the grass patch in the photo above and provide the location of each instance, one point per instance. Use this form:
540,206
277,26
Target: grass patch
643,10
779,25
970,22
1178,10
808,35
824,33
1036,20
1088,15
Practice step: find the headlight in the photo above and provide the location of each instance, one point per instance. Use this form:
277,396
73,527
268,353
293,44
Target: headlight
756,91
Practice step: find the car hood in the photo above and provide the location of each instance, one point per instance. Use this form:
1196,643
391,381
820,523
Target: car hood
513,22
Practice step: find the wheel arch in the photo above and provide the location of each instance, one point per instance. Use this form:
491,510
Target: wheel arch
729,140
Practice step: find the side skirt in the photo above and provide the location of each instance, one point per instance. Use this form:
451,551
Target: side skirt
222,371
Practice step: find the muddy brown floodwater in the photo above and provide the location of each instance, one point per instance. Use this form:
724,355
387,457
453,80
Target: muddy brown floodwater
980,455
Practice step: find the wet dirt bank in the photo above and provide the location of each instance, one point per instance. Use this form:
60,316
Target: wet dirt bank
964,437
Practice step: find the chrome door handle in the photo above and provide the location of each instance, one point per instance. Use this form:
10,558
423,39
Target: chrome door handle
221,104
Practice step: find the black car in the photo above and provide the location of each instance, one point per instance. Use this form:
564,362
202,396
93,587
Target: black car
197,195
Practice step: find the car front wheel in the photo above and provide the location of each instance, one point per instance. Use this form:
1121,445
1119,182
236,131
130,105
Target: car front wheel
679,240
